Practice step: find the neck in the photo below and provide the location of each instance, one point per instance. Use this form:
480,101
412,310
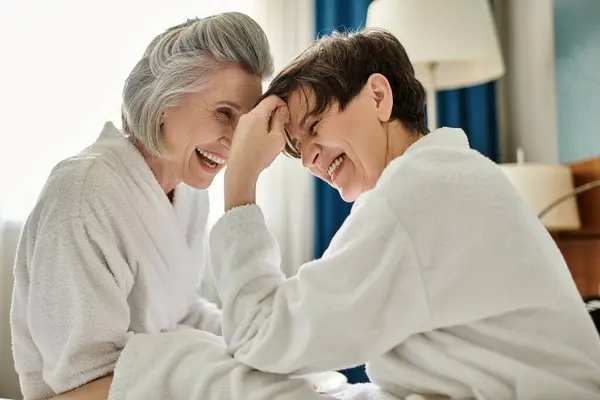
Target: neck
399,139
161,168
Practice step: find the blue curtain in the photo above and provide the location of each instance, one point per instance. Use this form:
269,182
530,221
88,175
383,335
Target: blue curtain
472,109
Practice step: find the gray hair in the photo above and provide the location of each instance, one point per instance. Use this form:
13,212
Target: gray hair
178,60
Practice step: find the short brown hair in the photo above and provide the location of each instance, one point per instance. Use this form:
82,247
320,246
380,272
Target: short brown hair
336,68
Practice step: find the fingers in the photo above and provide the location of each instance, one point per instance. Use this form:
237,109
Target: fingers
277,133
281,116
266,107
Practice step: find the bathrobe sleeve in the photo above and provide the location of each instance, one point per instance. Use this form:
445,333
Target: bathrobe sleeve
362,298
70,304
196,365
204,315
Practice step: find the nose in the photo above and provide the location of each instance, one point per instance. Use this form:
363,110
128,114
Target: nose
310,155
225,139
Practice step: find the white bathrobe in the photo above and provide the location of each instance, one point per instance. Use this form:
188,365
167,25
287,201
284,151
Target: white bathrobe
106,281
441,279
104,255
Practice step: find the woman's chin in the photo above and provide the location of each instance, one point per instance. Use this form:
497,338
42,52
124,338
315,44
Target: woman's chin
349,194
200,182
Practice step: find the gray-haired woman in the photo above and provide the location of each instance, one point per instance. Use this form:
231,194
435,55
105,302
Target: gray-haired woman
113,251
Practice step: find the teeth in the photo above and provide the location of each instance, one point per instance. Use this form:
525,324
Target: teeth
211,157
334,165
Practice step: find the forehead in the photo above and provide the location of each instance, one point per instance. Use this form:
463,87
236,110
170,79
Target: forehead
300,102
231,84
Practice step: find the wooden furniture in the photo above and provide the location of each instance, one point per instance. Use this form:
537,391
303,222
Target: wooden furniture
581,248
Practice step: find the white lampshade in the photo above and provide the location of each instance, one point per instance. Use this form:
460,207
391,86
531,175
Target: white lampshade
541,185
457,36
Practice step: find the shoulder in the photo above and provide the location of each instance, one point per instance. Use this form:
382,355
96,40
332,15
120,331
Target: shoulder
440,170
445,196
93,176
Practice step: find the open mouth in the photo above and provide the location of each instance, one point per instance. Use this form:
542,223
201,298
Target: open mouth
212,161
335,164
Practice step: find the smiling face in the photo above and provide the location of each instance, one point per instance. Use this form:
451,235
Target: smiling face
348,148
355,104
197,134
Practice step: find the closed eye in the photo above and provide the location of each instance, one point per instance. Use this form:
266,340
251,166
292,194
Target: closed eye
225,113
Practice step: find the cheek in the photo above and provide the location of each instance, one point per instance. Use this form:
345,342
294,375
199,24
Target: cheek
210,131
366,146
174,139
178,130
315,172
233,125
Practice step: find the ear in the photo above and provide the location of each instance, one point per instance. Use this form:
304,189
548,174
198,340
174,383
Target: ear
379,89
165,115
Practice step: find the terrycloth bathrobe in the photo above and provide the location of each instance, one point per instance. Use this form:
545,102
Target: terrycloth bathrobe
441,279
108,267
104,255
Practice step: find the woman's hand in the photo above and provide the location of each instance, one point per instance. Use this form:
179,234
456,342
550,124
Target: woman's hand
258,139
95,390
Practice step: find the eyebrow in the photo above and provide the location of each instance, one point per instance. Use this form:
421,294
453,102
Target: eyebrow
302,123
304,120
230,104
